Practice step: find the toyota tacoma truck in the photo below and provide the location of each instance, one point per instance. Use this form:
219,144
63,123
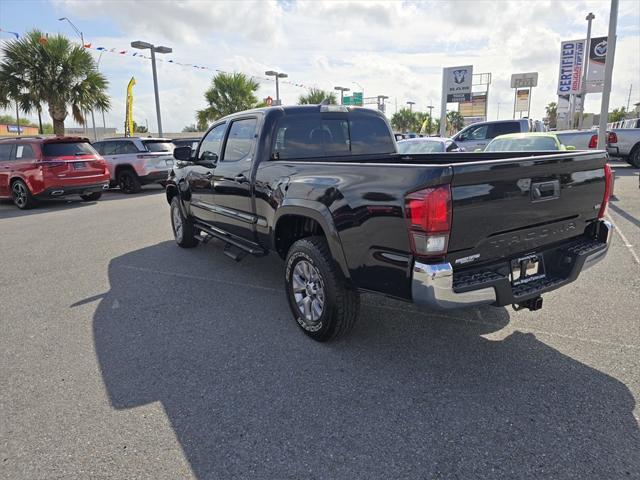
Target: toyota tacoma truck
323,187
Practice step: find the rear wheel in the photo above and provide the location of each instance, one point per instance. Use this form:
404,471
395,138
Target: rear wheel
22,197
128,181
322,302
634,158
183,230
91,197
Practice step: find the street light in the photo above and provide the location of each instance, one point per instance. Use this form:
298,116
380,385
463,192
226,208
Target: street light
381,99
277,75
77,30
159,49
411,104
342,90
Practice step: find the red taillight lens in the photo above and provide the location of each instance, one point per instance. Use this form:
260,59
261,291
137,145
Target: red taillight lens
593,142
608,190
612,137
428,214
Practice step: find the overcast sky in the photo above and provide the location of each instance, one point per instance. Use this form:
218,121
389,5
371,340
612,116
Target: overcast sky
394,48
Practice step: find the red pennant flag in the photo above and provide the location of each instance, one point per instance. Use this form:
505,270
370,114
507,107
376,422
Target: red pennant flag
87,45
122,52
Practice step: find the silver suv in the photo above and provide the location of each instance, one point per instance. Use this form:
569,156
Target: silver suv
136,161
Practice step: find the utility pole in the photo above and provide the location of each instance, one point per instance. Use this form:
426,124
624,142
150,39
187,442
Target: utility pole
430,107
277,75
498,114
342,90
583,86
608,75
411,104
629,98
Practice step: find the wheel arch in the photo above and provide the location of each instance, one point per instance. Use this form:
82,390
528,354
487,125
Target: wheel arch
302,218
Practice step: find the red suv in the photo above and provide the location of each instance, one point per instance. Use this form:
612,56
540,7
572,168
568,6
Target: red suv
38,168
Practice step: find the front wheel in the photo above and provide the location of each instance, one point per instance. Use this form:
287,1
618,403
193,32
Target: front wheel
21,195
183,230
322,302
91,197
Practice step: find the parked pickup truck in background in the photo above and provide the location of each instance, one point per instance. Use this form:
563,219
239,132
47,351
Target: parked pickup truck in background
325,189
625,143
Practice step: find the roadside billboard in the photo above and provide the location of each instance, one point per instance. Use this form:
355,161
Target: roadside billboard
477,107
522,100
456,83
595,68
571,60
524,80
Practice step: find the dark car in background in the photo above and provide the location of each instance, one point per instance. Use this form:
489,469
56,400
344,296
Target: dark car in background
38,168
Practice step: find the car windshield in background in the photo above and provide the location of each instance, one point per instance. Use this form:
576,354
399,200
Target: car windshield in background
158,145
420,146
523,144
64,149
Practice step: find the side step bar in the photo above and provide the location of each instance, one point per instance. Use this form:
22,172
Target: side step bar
229,240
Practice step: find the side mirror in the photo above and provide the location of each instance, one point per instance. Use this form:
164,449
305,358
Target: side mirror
208,159
182,153
569,147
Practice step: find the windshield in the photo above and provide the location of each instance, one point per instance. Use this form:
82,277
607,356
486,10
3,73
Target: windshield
158,145
420,146
522,144
64,149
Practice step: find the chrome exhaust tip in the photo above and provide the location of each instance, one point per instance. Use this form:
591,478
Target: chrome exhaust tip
57,193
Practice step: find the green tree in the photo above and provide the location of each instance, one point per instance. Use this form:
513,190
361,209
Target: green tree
190,128
39,69
424,123
617,114
404,120
316,96
455,122
552,114
228,93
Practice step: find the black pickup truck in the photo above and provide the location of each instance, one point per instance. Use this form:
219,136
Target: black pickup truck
324,187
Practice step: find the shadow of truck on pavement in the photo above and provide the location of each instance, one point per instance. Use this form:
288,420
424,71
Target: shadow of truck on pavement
405,396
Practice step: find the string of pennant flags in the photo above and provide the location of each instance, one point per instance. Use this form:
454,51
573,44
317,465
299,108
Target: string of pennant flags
125,52
116,51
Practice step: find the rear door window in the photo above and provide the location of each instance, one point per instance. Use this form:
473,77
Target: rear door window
67,149
503,128
5,151
24,152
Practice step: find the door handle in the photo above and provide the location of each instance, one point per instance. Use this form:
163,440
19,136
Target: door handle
240,178
209,175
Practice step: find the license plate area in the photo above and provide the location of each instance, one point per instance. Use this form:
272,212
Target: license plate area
527,269
79,165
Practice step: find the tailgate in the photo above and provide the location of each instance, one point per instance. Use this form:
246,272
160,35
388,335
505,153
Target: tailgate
504,208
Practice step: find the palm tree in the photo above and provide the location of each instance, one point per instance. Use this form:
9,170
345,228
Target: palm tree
229,93
404,120
552,114
455,122
39,69
317,96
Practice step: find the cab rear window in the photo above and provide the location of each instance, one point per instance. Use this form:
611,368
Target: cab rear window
65,149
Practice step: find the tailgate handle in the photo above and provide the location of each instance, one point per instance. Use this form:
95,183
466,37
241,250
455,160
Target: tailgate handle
545,191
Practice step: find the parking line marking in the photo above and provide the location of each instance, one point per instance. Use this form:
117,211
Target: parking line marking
626,242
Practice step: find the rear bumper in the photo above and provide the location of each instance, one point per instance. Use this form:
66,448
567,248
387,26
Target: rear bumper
62,191
154,177
613,151
436,285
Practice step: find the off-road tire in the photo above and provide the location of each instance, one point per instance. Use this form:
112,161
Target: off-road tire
91,197
341,302
186,237
21,195
128,181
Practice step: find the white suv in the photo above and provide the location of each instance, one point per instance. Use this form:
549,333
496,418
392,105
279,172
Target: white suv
136,161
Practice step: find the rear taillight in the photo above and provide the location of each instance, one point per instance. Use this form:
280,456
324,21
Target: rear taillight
428,215
608,190
612,137
593,142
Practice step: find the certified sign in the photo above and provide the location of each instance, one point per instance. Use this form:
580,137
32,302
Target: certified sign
457,83
571,59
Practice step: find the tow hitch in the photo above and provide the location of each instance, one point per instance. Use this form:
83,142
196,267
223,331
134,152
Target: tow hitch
532,304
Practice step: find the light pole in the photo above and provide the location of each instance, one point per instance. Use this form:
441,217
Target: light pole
277,75
430,107
411,104
608,73
342,90
79,33
381,105
159,49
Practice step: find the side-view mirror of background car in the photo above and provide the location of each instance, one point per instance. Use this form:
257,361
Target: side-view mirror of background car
569,147
208,159
182,153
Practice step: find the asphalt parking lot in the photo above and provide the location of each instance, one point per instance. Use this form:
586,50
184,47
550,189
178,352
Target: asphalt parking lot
123,356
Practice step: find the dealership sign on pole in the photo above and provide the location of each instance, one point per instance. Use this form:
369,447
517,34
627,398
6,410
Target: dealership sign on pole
595,65
522,100
456,88
524,80
571,60
523,84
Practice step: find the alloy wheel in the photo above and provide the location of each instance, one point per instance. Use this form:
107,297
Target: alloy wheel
308,291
